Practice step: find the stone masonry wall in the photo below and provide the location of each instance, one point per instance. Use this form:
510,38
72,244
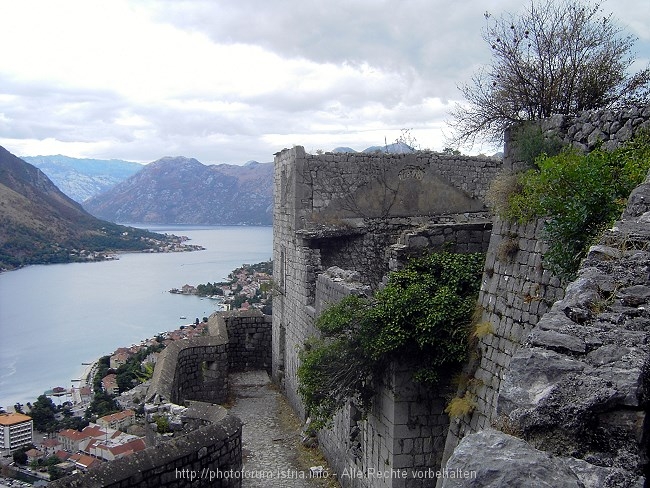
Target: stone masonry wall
403,433
576,393
590,128
341,185
341,218
194,372
453,237
202,458
517,291
196,369
249,340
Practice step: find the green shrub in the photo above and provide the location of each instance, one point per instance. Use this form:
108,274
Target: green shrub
421,318
530,143
580,195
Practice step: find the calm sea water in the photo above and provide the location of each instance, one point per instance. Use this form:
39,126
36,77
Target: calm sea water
55,317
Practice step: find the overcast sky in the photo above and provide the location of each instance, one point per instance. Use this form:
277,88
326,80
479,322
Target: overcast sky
232,81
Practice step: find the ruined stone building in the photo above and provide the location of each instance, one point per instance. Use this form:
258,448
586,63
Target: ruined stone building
560,383
342,222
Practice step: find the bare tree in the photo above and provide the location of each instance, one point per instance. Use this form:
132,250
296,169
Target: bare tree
558,57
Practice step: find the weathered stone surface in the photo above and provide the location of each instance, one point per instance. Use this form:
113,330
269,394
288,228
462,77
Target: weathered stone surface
578,388
497,460
556,341
533,375
494,459
576,385
598,476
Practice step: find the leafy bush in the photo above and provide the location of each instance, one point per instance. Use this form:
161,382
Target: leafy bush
530,143
580,195
421,319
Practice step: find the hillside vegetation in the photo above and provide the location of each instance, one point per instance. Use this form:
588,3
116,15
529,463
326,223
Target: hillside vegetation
39,224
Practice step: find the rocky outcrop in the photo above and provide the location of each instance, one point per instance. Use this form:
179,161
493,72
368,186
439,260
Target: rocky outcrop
579,385
506,460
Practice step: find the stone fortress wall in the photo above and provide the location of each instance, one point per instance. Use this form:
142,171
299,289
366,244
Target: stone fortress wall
330,241
341,222
194,372
517,293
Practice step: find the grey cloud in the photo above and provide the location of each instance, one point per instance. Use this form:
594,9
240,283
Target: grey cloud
39,110
440,40
429,36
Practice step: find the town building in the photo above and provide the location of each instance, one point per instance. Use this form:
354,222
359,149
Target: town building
101,442
34,455
118,421
109,383
72,440
84,462
50,446
120,358
16,430
116,447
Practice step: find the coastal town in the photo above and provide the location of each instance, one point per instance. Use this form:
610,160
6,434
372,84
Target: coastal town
248,286
103,417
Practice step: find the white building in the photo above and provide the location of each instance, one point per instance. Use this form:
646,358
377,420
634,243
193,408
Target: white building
16,430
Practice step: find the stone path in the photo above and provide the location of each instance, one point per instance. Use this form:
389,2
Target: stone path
272,451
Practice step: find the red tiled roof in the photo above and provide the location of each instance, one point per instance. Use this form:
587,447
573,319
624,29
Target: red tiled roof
84,460
133,446
72,434
62,455
50,442
117,416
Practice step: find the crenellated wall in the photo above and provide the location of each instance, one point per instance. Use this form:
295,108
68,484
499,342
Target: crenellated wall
194,372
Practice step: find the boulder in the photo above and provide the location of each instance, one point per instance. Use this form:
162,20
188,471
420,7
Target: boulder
492,459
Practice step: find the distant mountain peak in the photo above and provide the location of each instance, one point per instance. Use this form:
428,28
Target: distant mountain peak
394,148
40,224
168,160
80,178
180,190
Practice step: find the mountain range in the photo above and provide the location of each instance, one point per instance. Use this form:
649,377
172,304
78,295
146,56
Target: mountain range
173,190
81,179
180,190
40,224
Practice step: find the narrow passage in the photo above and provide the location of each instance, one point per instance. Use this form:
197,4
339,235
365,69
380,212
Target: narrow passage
272,451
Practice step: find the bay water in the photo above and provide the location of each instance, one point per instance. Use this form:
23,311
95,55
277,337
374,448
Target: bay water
55,317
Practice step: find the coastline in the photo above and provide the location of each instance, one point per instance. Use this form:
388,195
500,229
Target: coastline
78,314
